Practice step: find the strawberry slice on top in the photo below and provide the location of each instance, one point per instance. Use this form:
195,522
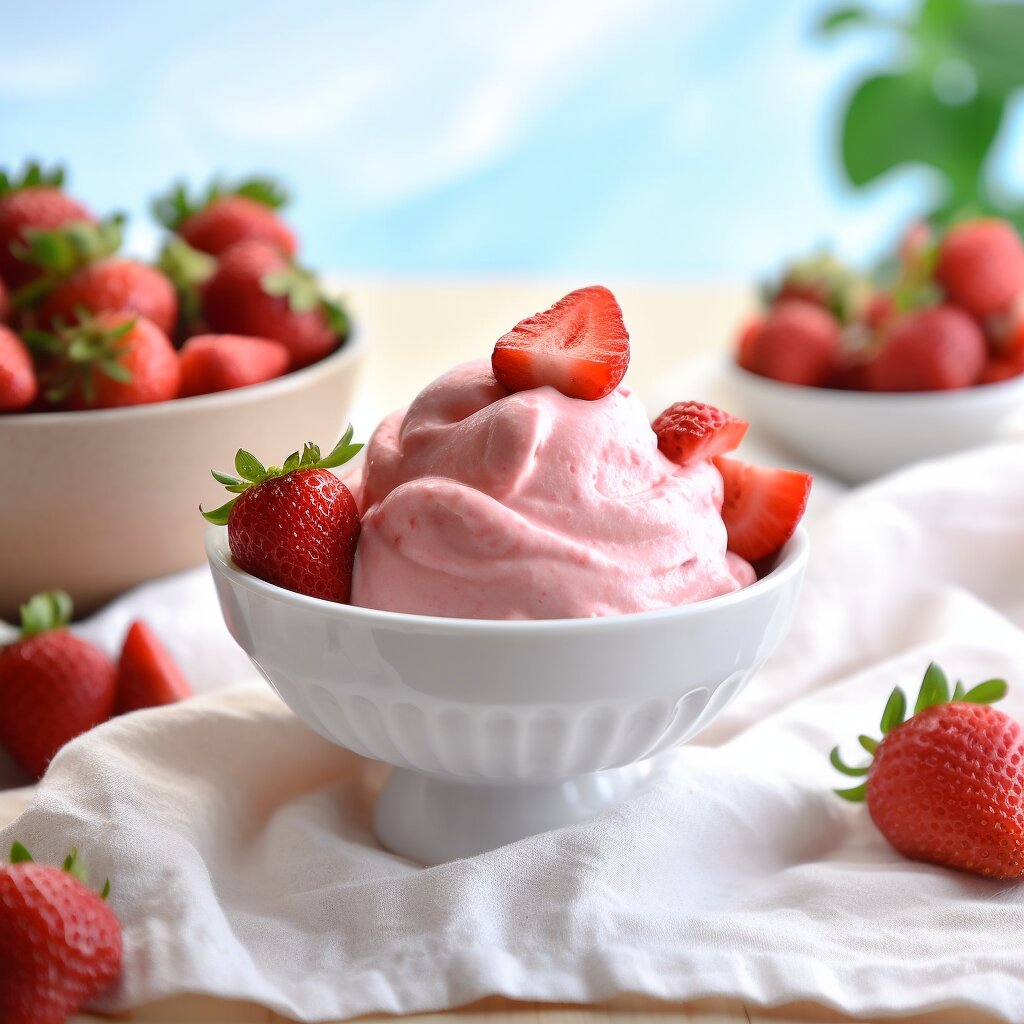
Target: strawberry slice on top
762,506
579,346
688,431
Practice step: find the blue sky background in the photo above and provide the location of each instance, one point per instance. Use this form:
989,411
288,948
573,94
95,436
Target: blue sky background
646,138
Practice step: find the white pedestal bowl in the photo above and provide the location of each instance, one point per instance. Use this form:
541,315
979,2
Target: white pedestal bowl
500,730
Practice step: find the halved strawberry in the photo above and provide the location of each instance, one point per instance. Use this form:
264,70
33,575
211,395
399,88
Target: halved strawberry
147,676
579,346
762,506
692,430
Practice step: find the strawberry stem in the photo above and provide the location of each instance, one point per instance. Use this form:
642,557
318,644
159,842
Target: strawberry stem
251,472
50,610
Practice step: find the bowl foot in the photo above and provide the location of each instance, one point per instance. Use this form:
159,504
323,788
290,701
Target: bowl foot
432,819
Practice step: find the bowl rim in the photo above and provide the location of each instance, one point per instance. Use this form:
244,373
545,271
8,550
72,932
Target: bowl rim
792,560
916,399
348,351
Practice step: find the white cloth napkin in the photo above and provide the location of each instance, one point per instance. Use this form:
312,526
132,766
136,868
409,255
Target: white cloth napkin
243,864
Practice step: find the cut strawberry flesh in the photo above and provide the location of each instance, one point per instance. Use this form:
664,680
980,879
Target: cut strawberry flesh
688,431
579,346
762,506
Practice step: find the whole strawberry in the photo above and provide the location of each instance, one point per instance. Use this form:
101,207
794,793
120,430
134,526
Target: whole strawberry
947,785
981,266
112,286
107,361
53,685
227,215
296,526
258,292
934,349
18,385
33,202
798,343
60,944
823,281
219,362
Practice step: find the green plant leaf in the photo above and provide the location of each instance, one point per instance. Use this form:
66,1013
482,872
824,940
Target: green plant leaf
841,766
934,689
19,855
988,692
74,865
895,711
248,466
855,795
106,890
219,516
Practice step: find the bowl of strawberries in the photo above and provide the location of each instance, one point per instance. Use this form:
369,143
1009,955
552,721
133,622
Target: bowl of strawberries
122,381
861,378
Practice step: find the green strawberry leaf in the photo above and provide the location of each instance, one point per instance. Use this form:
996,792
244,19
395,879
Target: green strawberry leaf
32,175
869,744
840,765
934,689
855,795
106,890
74,865
895,711
50,610
249,467
988,692
219,516
19,855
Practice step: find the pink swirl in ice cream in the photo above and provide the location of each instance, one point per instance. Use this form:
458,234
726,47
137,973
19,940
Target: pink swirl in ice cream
483,504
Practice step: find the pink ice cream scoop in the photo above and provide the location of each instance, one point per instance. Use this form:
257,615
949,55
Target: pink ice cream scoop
482,504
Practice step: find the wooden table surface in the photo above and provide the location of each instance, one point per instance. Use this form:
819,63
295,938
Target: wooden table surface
414,331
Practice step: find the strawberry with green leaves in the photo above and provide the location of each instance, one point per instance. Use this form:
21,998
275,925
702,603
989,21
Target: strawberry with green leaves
946,786
32,203
60,943
225,215
53,685
296,526
106,361
257,291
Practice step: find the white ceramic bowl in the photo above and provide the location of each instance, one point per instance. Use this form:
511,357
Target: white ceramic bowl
499,730
98,501
860,435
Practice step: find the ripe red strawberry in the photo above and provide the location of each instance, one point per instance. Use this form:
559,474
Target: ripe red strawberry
33,202
257,292
579,346
147,676
18,385
1000,368
53,685
981,266
934,349
745,343
227,215
218,362
60,944
947,785
297,526
762,506
879,311
798,343
107,361
688,431
112,286
822,281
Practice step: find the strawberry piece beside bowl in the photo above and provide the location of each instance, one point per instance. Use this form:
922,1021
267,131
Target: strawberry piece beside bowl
296,526
946,786
256,291
60,944
579,346
18,385
228,214
147,676
53,685
762,506
688,431
219,362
